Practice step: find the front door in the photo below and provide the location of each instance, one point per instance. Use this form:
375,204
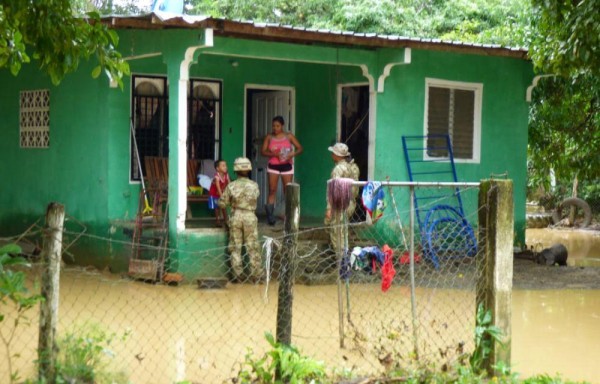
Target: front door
354,130
264,106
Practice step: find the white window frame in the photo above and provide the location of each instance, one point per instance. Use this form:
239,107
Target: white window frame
216,86
477,88
162,87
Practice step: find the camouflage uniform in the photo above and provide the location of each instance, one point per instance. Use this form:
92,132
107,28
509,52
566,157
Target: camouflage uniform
347,169
242,195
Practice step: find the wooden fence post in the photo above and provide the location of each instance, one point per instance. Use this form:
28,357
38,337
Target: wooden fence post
286,275
495,262
51,257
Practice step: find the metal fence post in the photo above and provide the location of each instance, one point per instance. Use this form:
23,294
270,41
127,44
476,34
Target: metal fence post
51,256
494,285
286,275
413,298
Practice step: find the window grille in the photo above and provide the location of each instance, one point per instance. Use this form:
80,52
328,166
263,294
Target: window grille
34,119
204,120
150,121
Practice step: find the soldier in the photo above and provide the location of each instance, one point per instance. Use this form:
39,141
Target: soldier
242,195
344,167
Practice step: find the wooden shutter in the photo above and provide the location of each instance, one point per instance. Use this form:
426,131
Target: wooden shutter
462,135
437,120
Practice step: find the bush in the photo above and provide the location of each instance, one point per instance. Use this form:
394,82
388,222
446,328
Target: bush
85,356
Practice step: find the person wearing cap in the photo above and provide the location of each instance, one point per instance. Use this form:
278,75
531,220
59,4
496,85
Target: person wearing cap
347,168
242,196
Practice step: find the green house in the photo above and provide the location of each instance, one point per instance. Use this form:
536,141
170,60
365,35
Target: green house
204,88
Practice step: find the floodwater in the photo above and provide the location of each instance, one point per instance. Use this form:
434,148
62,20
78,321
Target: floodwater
583,245
177,333
557,331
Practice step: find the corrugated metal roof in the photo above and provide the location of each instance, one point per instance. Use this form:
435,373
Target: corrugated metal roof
303,35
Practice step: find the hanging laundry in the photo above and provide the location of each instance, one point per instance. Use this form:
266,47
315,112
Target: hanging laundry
368,259
373,200
387,270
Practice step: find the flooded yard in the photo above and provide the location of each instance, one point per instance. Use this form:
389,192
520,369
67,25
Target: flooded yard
178,333
583,245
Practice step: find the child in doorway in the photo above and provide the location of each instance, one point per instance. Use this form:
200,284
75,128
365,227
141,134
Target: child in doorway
217,187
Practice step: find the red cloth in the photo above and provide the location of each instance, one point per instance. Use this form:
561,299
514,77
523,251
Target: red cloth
387,270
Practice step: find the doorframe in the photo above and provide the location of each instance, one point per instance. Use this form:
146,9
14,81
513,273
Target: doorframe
265,87
338,119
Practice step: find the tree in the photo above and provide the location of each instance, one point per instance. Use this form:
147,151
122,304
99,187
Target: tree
567,38
53,35
563,131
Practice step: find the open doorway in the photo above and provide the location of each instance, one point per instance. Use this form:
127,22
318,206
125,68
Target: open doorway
354,129
262,105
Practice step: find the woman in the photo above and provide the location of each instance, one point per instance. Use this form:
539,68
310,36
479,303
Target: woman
280,147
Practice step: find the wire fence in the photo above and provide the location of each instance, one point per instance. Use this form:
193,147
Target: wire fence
398,291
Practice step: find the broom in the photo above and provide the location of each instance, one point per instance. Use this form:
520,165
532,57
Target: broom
147,208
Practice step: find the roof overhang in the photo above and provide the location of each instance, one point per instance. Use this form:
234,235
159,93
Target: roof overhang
301,35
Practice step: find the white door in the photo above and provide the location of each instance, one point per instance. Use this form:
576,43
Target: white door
265,106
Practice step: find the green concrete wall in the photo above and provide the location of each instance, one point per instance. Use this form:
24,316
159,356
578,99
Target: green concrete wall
400,111
87,165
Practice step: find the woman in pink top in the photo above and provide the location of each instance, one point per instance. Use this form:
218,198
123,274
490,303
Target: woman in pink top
280,147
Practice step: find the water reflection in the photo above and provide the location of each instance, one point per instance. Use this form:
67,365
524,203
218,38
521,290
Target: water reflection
583,245
557,332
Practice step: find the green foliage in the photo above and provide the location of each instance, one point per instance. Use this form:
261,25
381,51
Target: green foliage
85,356
567,39
591,194
564,130
15,299
50,33
285,361
486,335
491,21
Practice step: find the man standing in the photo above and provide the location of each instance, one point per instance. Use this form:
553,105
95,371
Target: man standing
346,168
242,195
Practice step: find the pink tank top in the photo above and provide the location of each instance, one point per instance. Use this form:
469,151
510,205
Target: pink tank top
283,146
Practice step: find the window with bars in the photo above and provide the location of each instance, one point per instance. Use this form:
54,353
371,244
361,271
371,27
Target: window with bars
149,105
204,119
454,109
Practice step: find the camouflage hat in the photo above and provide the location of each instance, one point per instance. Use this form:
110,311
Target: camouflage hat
242,164
339,149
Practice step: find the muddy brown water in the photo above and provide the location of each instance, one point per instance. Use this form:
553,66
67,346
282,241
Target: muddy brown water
583,245
178,333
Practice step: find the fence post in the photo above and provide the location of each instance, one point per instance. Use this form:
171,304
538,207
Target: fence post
286,275
51,256
494,285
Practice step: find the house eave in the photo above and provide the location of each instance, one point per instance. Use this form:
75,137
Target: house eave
299,35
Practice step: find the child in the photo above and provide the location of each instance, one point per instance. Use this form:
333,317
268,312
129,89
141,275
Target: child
217,187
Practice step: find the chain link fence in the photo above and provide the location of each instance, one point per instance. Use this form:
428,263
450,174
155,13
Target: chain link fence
400,291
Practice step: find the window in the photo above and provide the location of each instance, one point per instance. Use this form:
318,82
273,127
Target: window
454,109
34,119
149,105
204,120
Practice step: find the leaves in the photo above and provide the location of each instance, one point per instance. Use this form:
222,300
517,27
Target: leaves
56,39
567,42
285,360
564,130
486,334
